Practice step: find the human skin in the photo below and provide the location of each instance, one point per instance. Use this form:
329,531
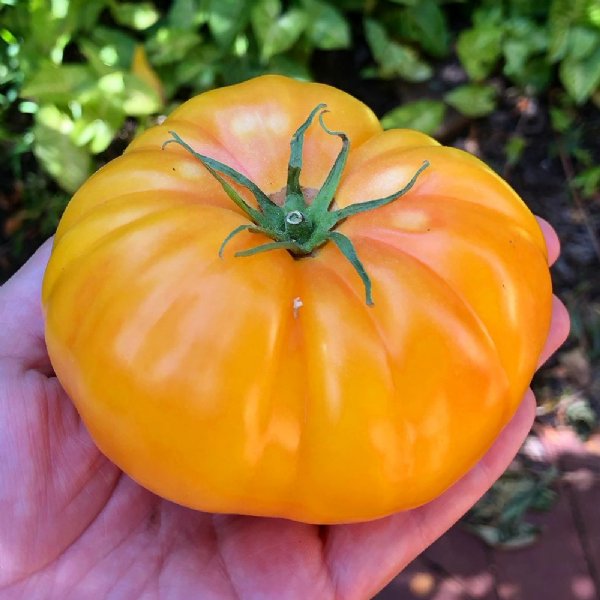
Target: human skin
73,526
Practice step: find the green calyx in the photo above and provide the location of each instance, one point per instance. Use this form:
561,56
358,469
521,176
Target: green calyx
297,225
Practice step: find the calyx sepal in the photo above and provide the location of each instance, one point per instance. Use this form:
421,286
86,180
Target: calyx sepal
299,226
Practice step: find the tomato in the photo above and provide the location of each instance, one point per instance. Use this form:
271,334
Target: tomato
330,383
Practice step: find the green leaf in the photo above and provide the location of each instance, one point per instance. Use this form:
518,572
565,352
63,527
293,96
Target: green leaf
514,149
200,73
353,5
186,15
97,134
138,15
169,45
479,50
52,117
527,31
100,60
535,75
562,16
524,48
58,84
46,31
581,78
473,100
561,119
588,181
227,18
134,96
69,164
85,14
327,27
426,23
285,65
394,59
115,47
559,41
423,115
528,9
516,53
274,31
489,14
236,71
582,42
593,13
97,122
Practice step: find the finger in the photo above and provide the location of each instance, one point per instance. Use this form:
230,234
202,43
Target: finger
364,557
560,324
21,316
552,241
559,330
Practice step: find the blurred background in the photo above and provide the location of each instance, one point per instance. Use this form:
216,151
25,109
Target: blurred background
515,82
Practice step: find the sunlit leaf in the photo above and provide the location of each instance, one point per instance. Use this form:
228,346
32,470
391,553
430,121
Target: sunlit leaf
276,32
133,95
168,45
69,164
52,117
58,84
137,15
115,47
102,61
98,122
226,18
97,134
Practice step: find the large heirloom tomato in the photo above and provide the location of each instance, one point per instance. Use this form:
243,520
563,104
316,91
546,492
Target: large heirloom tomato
239,335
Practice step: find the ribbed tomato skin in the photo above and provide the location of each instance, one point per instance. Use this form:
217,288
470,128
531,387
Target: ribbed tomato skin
265,385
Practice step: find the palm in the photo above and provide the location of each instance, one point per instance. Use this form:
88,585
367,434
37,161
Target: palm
72,525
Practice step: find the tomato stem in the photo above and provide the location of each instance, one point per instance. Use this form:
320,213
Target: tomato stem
297,226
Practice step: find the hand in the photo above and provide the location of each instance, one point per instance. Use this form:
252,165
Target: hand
72,526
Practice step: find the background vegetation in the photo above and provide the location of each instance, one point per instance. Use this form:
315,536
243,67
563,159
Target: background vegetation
514,81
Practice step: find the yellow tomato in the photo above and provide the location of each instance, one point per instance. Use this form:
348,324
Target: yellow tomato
265,384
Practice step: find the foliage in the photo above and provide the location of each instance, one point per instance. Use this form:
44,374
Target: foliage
81,70
499,518
529,42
